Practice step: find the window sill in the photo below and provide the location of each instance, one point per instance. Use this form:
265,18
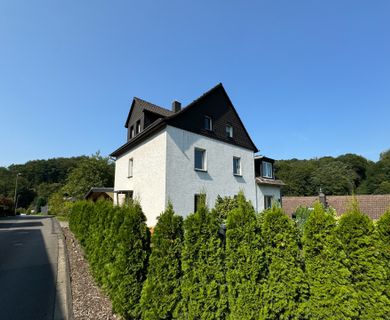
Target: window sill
129,177
201,170
237,175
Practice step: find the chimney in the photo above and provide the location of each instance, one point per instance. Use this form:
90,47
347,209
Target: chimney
322,198
176,106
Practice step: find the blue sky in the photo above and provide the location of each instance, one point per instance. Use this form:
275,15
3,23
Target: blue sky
308,78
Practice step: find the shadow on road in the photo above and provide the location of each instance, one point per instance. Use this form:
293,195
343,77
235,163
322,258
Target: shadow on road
4,225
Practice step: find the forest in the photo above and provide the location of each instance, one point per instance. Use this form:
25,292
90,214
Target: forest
53,180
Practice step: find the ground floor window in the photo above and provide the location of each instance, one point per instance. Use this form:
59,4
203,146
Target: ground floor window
127,197
198,200
268,202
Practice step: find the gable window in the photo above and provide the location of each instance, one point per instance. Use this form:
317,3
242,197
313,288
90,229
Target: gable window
229,131
131,132
267,169
130,168
268,202
207,123
200,159
198,199
237,166
138,127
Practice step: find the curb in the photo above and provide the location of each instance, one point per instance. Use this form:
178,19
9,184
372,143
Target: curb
63,309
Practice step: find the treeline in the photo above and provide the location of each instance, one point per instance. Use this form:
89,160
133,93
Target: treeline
55,179
247,266
346,174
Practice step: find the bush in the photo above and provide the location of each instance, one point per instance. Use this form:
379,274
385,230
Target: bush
364,262
383,228
203,287
245,261
331,293
285,288
161,290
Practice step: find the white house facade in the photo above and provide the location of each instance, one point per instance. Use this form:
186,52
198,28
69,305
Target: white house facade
175,155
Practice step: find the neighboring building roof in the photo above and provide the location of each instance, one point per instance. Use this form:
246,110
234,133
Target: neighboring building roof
272,182
372,205
185,119
97,191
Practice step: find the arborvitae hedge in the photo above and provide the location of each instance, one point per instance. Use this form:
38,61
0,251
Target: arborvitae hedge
245,263
117,250
161,290
203,287
331,293
285,288
365,263
383,228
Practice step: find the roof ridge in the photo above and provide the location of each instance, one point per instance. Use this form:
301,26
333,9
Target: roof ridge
153,104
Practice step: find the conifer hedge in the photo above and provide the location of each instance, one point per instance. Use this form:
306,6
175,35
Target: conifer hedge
257,266
161,290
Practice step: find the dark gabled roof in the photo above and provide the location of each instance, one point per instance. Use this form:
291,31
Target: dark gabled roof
97,190
145,105
169,118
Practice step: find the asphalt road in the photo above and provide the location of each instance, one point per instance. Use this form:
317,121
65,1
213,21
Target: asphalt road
28,267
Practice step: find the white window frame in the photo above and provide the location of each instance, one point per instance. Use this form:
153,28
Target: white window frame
267,169
204,159
239,173
138,127
130,168
210,122
131,132
229,131
265,201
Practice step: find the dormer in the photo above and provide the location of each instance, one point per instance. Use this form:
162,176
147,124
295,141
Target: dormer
264,167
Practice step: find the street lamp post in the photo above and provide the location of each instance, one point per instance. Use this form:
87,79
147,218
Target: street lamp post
16,190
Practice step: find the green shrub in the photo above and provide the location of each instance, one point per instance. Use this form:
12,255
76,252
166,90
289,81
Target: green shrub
161,290
285,288
224,205
383,228
331,293
245,261
364,262
203,287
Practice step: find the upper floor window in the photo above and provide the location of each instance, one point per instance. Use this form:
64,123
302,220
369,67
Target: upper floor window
131,132
130,168
267,169
200,159
229,131
237,166
138,127
207,123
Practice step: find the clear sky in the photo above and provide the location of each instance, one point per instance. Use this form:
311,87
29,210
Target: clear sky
308,78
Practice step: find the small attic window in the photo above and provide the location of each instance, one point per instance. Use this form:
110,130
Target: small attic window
207,123
131,132
138,127
229,131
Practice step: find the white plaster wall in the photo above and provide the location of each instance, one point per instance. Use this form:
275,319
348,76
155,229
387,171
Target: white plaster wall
264,190
149,173
183,182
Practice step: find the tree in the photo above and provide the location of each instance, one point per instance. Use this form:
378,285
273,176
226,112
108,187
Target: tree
331,293
285,289
363,260
161,290
383,230
203,287
95,171
224,205
334,178
245,262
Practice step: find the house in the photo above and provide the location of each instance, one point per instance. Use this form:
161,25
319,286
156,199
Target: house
175,155
94,194
372,205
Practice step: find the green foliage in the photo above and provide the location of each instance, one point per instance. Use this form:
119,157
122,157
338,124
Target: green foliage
364,262
383,229
161,290
95,171
203,287
245,262
331,293
116,242
224,205
300,217
285,288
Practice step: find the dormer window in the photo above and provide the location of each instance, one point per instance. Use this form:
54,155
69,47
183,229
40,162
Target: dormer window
138,127
208,123
229,131
267,169
131,132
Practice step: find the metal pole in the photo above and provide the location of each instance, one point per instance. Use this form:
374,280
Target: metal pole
16,190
